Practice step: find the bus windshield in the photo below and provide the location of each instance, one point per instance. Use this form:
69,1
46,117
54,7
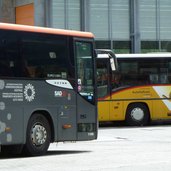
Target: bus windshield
84,59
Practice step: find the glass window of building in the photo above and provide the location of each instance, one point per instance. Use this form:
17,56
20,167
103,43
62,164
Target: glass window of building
120,26
148,23
98,18
65,14
120,19
148,19
165,22
73,15
165,25
58,13
155,30
109,21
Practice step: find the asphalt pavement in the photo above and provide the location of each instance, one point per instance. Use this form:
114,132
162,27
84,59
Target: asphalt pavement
116,149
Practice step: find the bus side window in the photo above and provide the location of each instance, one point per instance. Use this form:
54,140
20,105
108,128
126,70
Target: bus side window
154,78
116,80
169,78
5,70
163,78
49,62
102,82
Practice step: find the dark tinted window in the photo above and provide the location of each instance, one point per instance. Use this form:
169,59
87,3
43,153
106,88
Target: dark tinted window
102,77
34,55
9,55
45,58
145,71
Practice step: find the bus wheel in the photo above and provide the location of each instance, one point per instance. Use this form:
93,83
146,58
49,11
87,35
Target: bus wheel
38,136
137,114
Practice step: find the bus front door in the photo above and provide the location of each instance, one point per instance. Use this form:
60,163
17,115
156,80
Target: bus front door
103,89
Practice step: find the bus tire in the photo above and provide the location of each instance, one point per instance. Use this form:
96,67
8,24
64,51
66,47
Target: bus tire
38,136
137,114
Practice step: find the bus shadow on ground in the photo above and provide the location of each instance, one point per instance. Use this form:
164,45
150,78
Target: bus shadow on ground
49,153
65,152
122,124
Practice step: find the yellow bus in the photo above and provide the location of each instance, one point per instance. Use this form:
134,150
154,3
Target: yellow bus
139,92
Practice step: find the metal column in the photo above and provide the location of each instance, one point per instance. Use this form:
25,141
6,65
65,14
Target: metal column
85,15
134,27
39,13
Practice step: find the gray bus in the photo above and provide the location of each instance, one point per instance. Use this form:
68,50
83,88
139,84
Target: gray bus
47,88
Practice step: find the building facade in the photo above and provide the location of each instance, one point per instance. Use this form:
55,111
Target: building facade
126,26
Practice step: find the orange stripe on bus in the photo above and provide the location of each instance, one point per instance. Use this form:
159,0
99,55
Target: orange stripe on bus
18,27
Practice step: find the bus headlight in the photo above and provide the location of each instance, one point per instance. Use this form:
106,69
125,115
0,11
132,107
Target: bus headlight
86,127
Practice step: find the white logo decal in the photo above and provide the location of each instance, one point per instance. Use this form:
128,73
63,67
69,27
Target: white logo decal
60,83
29,92
164,92
58,93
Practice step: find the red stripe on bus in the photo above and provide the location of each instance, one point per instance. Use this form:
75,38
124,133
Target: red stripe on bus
129,88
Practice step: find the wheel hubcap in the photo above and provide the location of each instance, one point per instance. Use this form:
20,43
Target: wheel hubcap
38,134
137,114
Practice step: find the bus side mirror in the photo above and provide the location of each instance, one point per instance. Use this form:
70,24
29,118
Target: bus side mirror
112,64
